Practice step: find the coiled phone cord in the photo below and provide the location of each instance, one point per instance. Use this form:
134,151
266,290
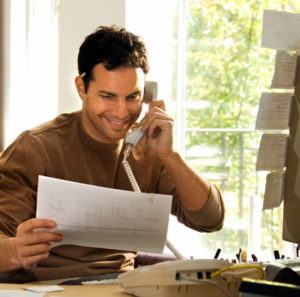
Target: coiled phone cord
131,177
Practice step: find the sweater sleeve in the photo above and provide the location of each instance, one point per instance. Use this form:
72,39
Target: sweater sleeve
207,219
210,217
20,165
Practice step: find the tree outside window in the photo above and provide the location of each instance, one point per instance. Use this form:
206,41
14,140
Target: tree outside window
225,71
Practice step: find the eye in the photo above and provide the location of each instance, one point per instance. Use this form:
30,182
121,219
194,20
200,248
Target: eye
133,97
107,97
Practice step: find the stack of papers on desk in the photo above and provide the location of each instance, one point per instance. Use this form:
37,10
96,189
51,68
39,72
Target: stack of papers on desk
102,217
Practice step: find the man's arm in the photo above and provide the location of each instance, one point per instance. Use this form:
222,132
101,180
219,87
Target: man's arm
193,190
22,246
29,247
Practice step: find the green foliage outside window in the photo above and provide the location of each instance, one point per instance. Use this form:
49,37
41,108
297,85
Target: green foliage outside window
226,71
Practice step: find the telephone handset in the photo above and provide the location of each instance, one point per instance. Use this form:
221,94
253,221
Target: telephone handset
150,93
134,137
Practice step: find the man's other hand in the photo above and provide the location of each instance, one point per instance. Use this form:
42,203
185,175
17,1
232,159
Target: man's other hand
31,245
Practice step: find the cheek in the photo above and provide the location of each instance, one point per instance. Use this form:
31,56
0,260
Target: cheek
135,108
95,106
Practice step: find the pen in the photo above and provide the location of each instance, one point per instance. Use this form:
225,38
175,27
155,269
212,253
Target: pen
254,258
238,255
276,255
217,253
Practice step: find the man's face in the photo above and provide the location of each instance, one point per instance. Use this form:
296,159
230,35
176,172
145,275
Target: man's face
112,103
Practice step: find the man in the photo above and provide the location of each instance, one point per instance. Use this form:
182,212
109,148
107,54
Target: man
87,147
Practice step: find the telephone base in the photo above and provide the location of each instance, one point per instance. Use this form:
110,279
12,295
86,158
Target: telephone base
188,290
179,278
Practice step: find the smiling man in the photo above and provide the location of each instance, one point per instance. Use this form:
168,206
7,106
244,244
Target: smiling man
87,146
112,103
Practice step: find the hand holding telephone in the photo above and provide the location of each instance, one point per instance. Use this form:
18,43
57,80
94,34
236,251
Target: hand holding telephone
150,93
134,137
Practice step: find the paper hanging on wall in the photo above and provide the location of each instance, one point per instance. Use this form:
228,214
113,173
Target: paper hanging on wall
284,74
273,190
281,30
274,111
272,152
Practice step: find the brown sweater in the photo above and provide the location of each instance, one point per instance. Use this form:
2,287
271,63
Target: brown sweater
62,149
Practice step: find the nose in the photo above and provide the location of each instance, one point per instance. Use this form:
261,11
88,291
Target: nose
120,109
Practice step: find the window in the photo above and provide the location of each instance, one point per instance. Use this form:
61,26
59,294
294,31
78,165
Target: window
220,73
32,99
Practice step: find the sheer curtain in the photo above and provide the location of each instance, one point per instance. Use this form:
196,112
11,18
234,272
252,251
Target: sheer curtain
32,92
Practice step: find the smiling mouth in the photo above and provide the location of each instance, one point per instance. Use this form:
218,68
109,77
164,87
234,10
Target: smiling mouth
118,124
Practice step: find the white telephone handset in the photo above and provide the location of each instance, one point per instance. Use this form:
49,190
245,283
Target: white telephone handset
132,140
134,137
150,93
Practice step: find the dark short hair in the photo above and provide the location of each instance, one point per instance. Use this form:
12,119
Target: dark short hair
114,47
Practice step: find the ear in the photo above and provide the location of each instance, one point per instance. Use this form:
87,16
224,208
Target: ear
79,83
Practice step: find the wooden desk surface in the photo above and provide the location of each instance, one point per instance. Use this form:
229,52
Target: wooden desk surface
76,291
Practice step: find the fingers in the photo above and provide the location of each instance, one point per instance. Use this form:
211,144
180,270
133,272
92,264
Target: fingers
157,103
155,118
27,231
30,225
34,250
159,125
31,249
38,237
31,262
30,255
33,245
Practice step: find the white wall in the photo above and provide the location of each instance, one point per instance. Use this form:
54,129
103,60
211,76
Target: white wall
76,20
4,52
30,87
5,69
35,87
153,22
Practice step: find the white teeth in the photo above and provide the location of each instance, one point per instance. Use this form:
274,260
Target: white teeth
117,122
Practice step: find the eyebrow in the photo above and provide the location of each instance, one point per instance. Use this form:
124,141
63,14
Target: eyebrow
135,93
103,92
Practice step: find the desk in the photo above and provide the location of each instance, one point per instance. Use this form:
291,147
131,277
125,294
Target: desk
76,291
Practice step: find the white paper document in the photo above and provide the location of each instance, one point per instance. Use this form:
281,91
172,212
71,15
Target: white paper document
272,152
281,30
44,289
102,217
273,190
19,293
285,69
273,111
